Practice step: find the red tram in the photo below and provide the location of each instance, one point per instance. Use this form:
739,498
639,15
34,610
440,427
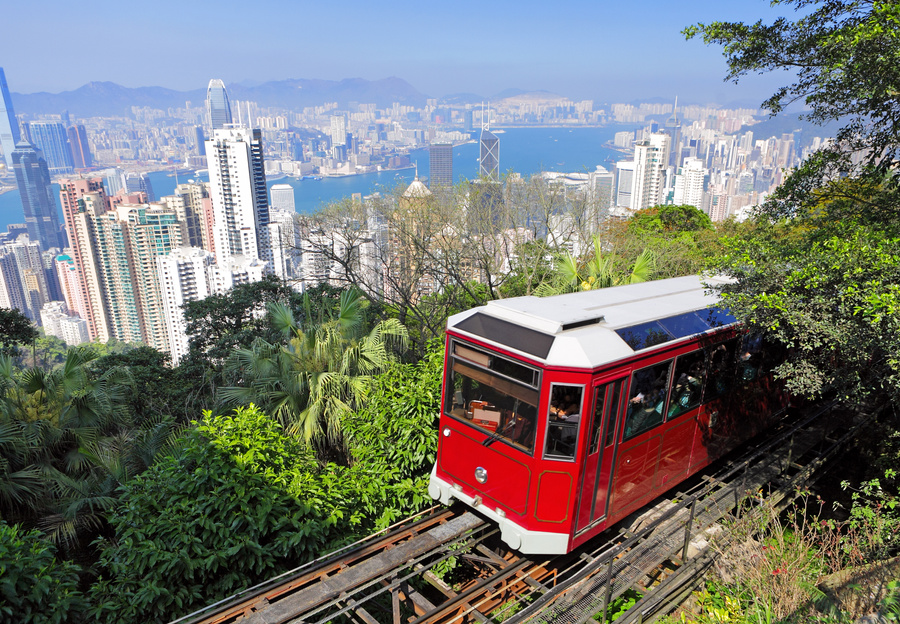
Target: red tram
561,415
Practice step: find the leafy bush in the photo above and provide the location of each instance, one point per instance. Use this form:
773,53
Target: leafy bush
240,501
35,588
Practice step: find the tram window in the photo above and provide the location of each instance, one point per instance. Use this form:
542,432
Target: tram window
500,407
647,398
720,370
601,396
563,419
750,364
687,384
615,408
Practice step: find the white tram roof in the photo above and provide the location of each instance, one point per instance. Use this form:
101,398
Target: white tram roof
592,328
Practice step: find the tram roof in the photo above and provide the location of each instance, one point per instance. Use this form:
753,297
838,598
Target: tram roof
592,328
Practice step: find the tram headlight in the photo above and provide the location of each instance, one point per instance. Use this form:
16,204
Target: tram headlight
481,475
446,432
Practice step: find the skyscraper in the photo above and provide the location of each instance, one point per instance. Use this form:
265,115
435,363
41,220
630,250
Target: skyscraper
238,192
33,180
78,143
139,183
51,138
651,158
83,200
9,126
283,197
624,182
673,129
218,109
440,168
489,157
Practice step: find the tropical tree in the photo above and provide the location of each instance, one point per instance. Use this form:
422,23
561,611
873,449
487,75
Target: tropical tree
15,329
319,374
68,443
820,272
598,270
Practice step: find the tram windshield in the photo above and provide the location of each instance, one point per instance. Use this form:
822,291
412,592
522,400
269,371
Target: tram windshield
494,394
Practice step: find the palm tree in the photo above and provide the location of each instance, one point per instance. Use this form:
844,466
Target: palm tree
66,444
598,271
320,374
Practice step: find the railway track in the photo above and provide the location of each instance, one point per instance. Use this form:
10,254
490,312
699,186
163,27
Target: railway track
388,577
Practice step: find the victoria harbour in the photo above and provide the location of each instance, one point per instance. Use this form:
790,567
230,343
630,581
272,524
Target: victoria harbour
524,151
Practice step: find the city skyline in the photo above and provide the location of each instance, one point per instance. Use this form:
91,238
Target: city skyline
584,50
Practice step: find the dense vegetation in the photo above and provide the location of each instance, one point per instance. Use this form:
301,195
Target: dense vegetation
131,490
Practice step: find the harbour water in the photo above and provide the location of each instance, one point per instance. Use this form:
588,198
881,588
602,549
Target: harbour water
522,150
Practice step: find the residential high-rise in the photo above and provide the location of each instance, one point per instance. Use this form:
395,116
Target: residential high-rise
440,168
11,295
52,139
183,276
338,130
238,192
651,159
33,180
624,182
9,125
218,109
78,143
187,202
282,197
690,184
83,200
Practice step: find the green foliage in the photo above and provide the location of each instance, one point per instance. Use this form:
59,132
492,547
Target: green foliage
35,588
315,381
597,270
238,502
158,389
620,606
15,330
668,220
396,429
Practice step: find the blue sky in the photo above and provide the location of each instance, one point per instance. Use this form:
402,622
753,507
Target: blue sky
599,49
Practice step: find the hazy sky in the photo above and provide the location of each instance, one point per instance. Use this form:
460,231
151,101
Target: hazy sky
600,49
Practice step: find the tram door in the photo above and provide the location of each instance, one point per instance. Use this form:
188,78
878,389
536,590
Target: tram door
596,474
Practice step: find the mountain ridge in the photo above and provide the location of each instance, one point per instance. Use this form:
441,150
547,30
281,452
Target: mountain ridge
108,99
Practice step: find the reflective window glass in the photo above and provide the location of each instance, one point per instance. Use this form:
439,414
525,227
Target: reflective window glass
647,398
687,383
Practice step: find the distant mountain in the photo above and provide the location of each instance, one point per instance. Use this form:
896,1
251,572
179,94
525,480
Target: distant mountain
506,93
110,99
787,123
463,98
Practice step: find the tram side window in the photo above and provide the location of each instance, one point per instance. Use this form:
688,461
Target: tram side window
750,364
720,370
562,421
647,398
687,384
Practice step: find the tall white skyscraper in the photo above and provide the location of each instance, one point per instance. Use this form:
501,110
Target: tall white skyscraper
183,277
690,184
651,158
239,197
338,130
624,182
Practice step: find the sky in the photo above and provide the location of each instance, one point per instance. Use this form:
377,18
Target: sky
605,50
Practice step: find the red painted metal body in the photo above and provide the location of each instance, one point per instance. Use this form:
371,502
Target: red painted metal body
708,401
